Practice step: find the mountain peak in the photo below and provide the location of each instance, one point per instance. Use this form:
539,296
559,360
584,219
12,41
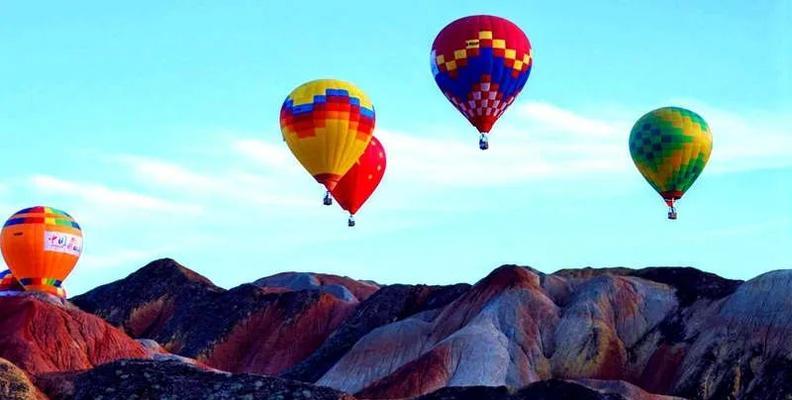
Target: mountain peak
169,269
141,302
342,287
510,276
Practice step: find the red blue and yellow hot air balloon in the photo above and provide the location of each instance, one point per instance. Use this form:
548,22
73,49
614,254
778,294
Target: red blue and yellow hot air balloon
41,246
481,64
327,124
8,283
362,179
670,147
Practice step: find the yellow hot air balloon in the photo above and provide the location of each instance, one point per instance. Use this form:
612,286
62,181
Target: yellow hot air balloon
327,124
41,245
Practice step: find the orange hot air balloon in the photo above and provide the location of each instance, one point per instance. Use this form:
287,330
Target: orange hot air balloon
41,245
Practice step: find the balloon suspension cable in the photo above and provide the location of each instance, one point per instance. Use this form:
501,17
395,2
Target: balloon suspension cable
351,221
483,142
328,201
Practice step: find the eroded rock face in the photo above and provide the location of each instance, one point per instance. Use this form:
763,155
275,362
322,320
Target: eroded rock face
279,331
743,347
15,385
40,336
508,331
617,332
389,304
125,380
649,327
244,329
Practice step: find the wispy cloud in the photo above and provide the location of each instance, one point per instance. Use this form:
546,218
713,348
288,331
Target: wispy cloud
540,141
543,140
97,194
256,187
165,173
552,118
267,154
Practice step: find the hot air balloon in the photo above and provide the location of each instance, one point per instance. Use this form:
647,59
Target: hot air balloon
41,245
670,146
9,284
362,179
481,64
327,124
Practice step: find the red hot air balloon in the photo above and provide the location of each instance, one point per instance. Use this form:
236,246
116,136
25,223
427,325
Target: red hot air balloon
357,185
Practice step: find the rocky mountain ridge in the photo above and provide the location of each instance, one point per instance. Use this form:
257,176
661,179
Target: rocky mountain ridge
617,333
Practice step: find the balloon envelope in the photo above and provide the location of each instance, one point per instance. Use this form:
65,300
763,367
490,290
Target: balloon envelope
362,179
41,245
670,147
327,125
481,64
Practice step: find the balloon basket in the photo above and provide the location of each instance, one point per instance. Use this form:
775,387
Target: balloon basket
328,201
672,213
483,142
351,221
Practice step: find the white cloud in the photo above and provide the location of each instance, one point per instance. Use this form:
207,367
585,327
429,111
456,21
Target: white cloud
413,159
168,174
540,141
550,117
264,153
544,140
97,194
262,188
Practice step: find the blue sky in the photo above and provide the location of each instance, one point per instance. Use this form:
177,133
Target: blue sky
156,126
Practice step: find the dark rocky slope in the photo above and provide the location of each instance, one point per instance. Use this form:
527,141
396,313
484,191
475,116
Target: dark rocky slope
245,329
176,381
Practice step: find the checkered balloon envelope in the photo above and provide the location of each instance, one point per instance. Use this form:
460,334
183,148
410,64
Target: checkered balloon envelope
481,64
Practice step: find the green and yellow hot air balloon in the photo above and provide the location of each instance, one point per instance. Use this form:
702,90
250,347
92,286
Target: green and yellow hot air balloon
670,146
